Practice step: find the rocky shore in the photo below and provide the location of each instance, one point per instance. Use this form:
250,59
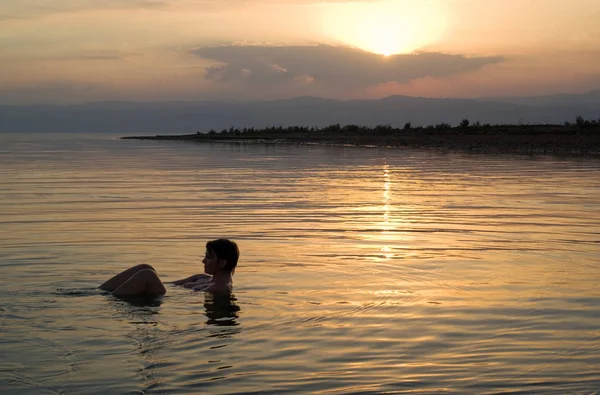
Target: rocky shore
568,139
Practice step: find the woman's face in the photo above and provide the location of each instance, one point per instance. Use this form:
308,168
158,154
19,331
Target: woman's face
211,262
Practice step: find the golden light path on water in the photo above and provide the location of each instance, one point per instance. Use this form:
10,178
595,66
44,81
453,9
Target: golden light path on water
386,226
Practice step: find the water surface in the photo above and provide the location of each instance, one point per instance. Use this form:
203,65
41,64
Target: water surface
362,270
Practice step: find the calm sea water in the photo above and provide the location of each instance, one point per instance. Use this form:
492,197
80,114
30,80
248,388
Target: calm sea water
362,270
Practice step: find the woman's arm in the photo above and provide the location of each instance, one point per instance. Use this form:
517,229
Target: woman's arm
192,279
201,281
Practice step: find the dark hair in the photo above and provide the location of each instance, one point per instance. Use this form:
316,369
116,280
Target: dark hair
225,249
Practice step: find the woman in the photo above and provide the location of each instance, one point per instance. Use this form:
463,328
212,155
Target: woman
220,260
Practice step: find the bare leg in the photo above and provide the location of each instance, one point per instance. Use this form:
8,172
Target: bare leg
122,277
143,282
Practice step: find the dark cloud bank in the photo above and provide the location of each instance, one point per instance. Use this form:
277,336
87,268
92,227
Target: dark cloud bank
330,65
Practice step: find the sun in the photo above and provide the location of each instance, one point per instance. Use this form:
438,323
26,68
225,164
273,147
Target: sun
379,34
386,27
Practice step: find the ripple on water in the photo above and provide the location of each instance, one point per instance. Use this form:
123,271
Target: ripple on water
362,270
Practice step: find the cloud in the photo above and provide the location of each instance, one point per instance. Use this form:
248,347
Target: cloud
30,9
20,9
94,55
330,65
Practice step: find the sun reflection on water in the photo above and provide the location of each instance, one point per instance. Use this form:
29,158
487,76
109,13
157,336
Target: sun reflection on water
387,206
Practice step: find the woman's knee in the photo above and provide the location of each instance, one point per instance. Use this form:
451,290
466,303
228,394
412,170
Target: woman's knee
146,273
144,266
150,279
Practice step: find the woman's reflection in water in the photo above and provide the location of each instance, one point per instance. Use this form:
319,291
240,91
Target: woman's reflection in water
140,309
221,309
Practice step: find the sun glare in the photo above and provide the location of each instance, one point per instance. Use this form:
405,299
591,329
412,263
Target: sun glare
386,27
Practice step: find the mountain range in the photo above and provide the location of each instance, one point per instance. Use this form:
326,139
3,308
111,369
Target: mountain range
191,117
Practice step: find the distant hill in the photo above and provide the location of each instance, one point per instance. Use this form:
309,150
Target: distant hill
189,117
592,97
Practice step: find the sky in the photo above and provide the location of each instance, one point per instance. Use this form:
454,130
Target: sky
77,51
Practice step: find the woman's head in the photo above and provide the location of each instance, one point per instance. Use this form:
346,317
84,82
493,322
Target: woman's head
221,254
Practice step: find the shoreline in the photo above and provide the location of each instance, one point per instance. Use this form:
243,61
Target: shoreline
579,140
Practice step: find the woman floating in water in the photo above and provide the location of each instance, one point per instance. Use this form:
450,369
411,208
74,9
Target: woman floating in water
220,260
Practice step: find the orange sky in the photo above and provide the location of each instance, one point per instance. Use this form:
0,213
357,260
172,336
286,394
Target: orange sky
69,51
